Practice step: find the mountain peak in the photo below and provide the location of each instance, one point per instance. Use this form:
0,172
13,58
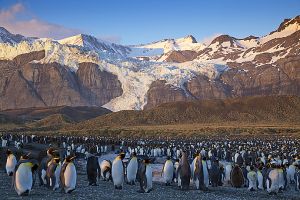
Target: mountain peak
8,37
289,22
190,38
223,38
4,30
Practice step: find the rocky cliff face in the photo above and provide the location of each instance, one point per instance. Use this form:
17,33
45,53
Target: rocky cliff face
46,72
160,93
28,84
282,79
264,66
99,87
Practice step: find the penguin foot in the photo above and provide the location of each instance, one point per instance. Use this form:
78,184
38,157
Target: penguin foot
70,191
118,187
10,173
26,193
141,191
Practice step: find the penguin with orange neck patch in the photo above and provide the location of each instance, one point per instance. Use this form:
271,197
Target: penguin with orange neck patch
145,176
117,171
68,175
23,177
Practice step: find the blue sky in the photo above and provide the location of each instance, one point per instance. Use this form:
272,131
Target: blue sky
141,21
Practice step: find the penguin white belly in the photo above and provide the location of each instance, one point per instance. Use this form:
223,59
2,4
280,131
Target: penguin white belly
252,178
205,174
176,164
149,178
132,169
228,169
168,172
274,176
57,178
178,153
117,172
11,163
260,180
23,178
70,176
193,168
155,153
291,174
103,166
281,181
168,152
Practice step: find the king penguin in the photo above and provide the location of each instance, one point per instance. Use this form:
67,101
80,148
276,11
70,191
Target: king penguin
145,176
201,175
168,171
92,169
11,162
68,175
260,178
117,171
53,172
43,166
237,177
132,169
252,179
228,169
272,179
23,176
184,172
105,168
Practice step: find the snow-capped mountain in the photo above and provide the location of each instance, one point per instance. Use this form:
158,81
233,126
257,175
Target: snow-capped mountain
94,44
7,37
155,50
84,70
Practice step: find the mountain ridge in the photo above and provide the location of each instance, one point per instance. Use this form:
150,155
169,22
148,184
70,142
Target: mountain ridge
122,77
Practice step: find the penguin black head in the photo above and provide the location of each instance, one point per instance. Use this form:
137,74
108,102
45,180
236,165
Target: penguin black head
168,158
25,157
8,152
93,151
122,155
146,160
51,151
133,154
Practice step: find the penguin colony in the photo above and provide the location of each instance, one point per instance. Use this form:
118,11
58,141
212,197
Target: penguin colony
272,165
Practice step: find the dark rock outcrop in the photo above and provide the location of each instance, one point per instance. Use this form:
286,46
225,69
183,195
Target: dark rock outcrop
97,86
201,87
181,56
160,92
26,84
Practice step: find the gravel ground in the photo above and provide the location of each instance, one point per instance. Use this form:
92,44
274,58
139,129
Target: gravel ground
105,190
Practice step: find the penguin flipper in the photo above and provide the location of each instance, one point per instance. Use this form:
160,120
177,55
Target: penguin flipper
62,177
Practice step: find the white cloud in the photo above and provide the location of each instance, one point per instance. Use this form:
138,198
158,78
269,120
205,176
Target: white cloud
33,26
207,40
